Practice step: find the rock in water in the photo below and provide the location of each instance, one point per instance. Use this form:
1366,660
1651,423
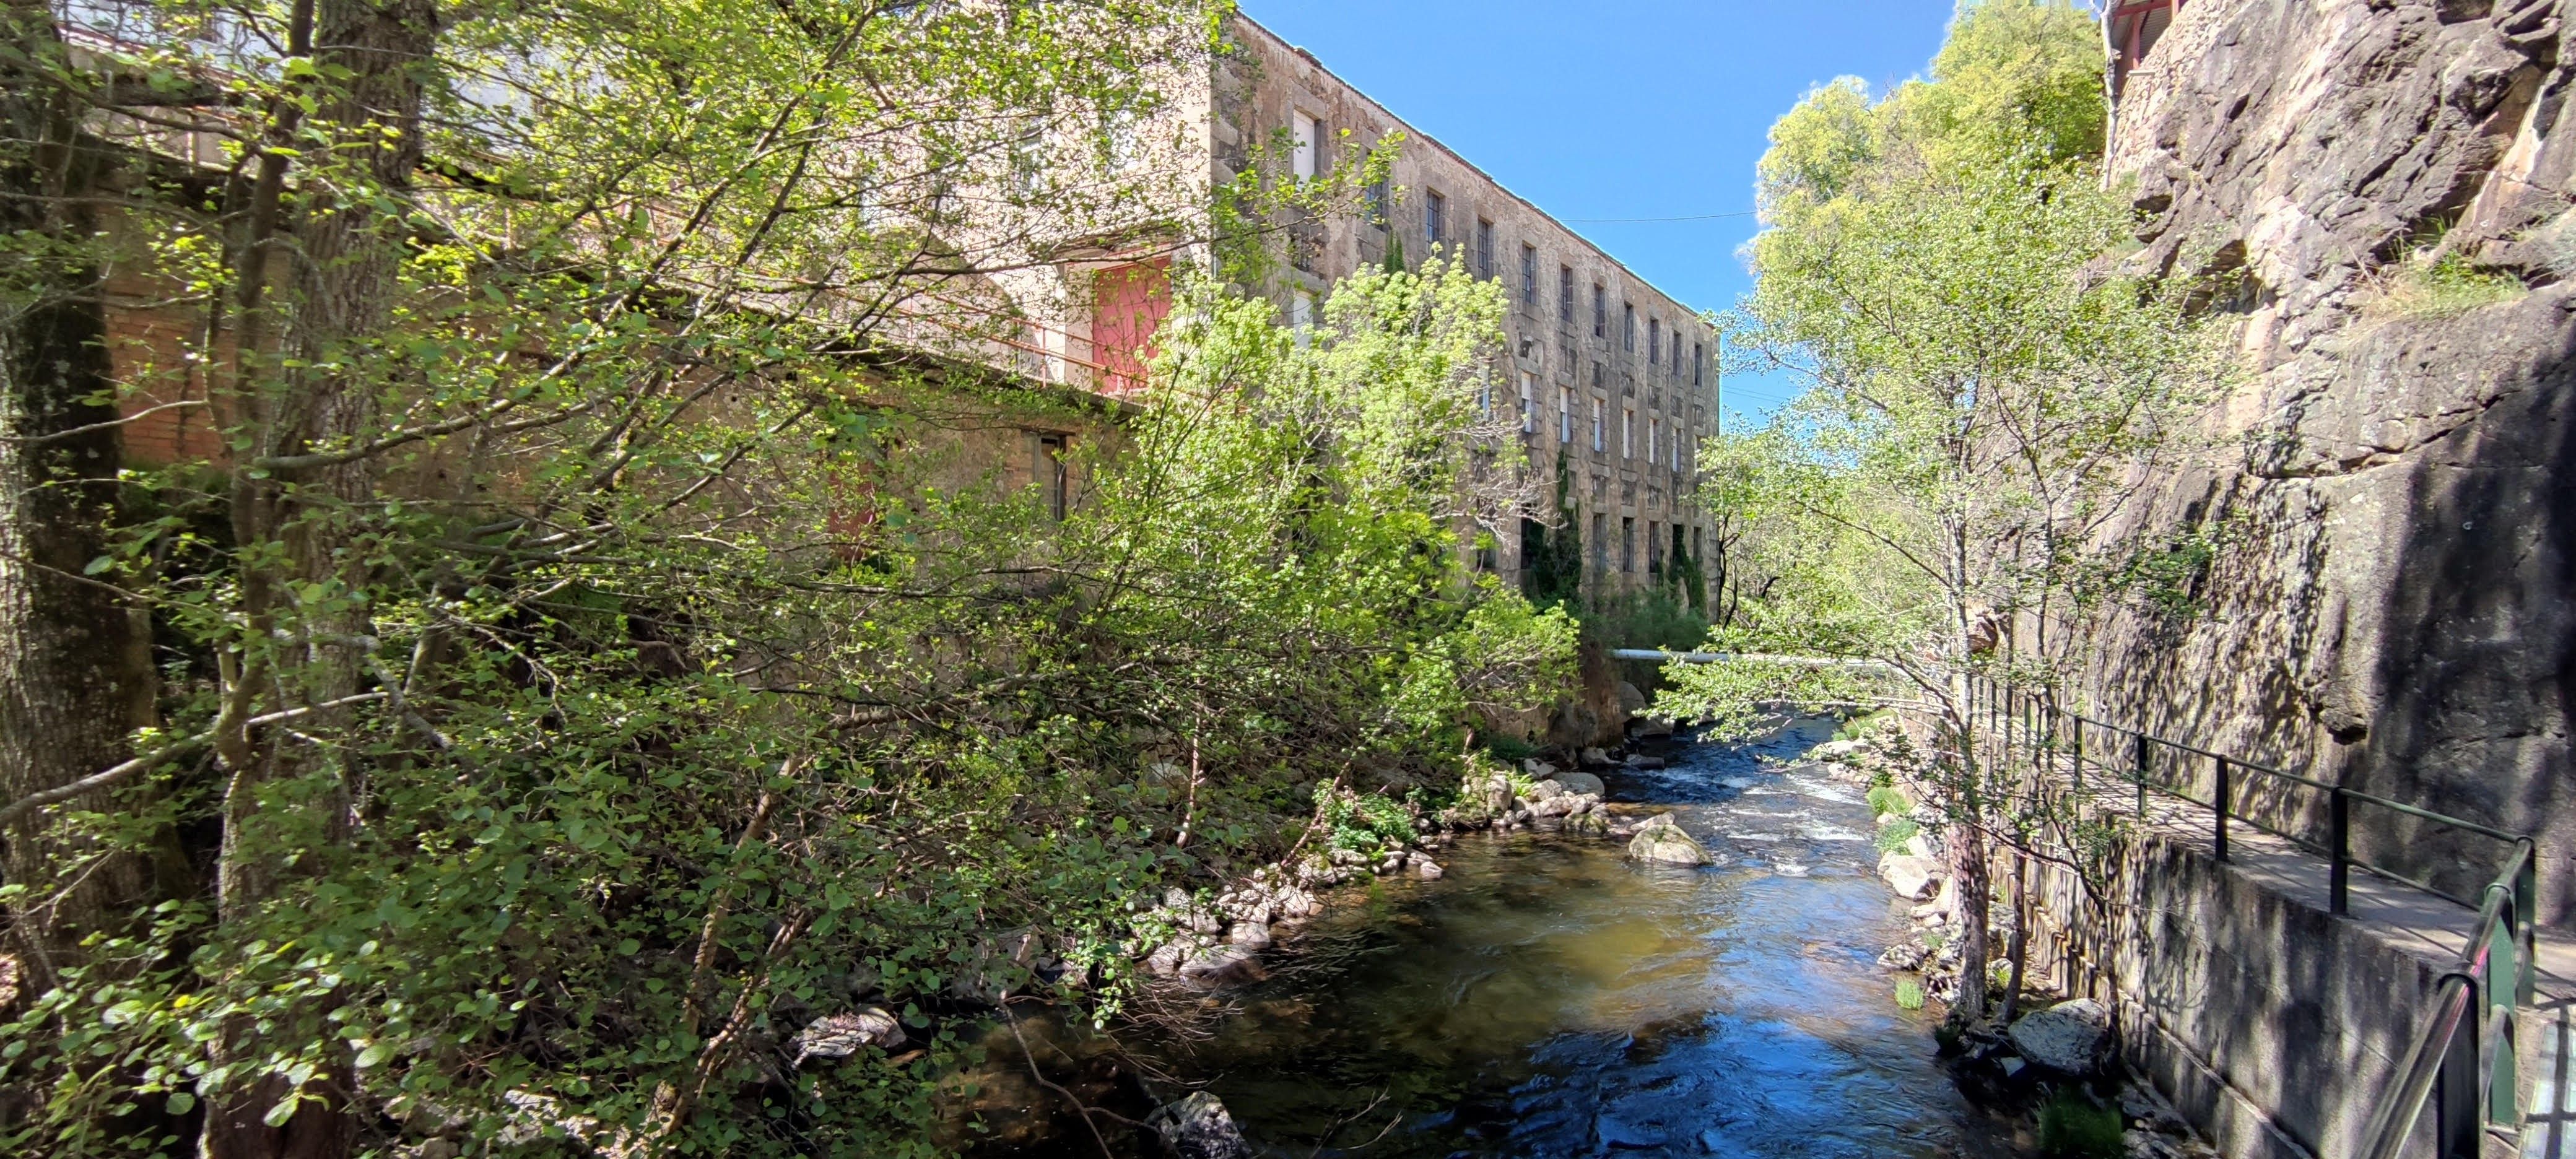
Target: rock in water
1580,783
2070,1038
1198,1127
1910,877
841,1035
1661,840
1221,966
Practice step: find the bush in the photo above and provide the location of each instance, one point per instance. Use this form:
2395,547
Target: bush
1909,994
2070,1125
1893,837
1885,799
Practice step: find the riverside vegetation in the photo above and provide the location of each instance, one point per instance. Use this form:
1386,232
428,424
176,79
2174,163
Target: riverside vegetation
577,703
1986,382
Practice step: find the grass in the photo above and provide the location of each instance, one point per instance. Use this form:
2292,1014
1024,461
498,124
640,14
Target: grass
1893,837
1909,994
2070,1125
1885,800
2417,288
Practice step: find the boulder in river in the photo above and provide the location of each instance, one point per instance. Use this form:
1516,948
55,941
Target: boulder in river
1198,1127
2071,1037
1581,783
1911,877
1221,966
1661,840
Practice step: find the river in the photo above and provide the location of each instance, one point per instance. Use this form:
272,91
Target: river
1547,997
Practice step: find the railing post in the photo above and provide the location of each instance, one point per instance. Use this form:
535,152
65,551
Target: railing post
2220,801
2457,1115
2078,722
2142,778
2339,870
2526,914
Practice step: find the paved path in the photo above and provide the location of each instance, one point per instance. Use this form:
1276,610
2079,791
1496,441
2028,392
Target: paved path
2423,924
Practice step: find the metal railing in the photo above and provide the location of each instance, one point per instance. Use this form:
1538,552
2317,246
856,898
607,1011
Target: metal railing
2462,1061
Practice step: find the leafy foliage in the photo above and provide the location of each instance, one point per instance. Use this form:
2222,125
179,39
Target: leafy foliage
674,646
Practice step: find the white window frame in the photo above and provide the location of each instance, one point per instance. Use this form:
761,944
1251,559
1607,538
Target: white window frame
1305,163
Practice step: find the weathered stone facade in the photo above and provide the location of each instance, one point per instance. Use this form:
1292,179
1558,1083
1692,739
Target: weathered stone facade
1609,372
2389,498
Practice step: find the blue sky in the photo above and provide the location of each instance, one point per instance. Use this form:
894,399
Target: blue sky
1618,109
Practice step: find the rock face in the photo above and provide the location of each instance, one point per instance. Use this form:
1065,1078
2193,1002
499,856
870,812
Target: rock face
2394,503
2070,1038
1661,840
1198,1127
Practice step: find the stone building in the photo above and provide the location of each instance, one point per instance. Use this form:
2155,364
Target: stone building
1614,380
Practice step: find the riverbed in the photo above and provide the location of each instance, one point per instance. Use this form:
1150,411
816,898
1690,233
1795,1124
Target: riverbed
1548,997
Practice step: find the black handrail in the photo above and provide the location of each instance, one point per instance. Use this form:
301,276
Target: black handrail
2462,1061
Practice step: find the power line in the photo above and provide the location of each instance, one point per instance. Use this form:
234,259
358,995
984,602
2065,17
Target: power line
1641,220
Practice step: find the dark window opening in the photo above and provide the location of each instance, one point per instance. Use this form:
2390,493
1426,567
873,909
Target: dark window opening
1050,471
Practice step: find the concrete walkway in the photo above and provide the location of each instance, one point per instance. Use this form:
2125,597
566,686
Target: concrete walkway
2420,924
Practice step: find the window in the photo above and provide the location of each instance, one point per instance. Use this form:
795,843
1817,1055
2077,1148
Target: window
1677,446
1310,138
1696,544
1600,410
1373,203
1654,548
1627,327
1627,544
1695,363
1434,207
1677,545
1600,311
1628,432
1301,317
1484,248
1677,350
1048,467
1600,542
1529,275
1529,402
1654,438
1654,341
1565,414
1565,294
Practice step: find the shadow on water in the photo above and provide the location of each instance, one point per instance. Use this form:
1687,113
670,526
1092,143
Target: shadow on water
1548,997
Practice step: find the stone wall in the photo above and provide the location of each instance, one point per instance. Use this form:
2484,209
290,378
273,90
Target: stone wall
2391,491
2274,1028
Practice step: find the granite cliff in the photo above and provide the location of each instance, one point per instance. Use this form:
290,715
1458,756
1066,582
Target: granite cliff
2378,552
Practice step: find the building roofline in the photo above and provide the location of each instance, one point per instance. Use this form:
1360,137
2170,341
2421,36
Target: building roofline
1478,170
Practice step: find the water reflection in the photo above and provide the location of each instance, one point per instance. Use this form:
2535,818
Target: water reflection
1550,998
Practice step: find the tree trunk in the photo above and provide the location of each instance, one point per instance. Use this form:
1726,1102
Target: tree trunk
2017,947
337,309
75,670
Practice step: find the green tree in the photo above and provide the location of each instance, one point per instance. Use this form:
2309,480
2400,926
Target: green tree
1986,385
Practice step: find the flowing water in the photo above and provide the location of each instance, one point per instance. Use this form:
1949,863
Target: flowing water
1548,997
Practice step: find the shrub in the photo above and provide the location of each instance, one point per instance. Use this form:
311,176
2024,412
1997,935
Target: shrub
1909,994
1893,837
1885,799
2070,1125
